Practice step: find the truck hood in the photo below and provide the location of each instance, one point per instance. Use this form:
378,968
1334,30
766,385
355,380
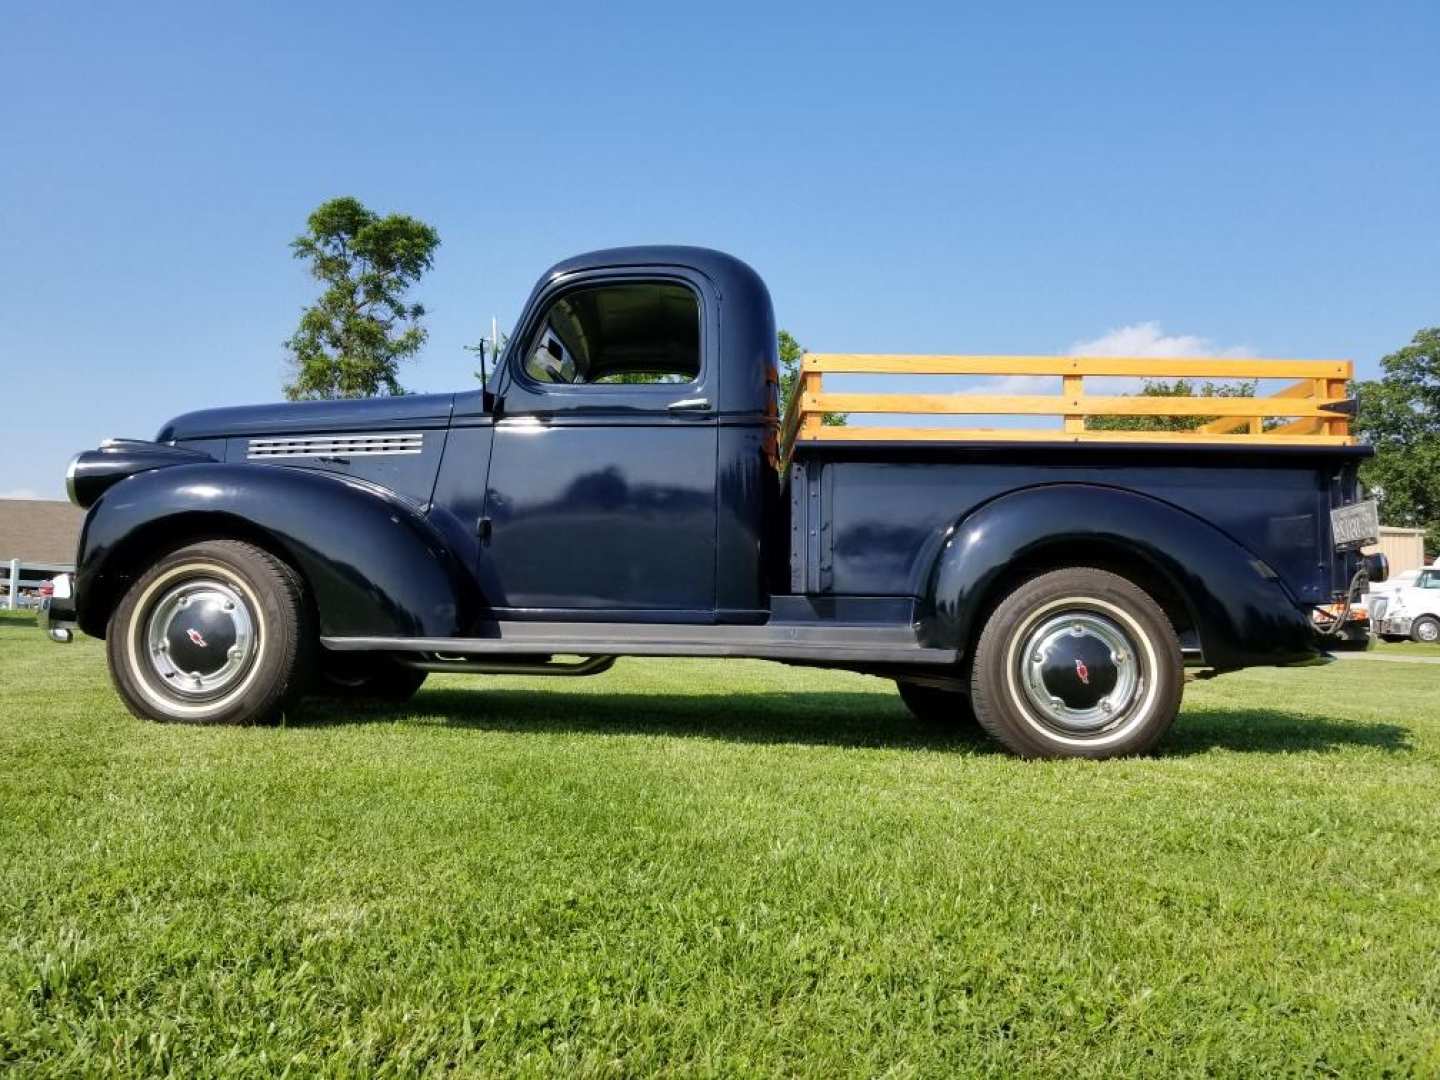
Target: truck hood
365,414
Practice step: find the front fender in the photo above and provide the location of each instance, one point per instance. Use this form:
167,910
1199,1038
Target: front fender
373,563
1243,615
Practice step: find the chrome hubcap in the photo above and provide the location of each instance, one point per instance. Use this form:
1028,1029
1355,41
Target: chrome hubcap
200,638
1428,631
1080,673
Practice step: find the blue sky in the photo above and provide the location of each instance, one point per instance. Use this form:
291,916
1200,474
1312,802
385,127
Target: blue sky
959,178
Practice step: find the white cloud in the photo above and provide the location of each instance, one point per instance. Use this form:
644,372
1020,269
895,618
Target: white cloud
1149,339
20,493
1017,385
1136,339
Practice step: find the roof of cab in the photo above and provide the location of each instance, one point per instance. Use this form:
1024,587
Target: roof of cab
721,268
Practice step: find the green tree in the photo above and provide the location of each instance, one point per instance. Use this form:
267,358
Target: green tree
1177,388
350,342
791,353
1400,417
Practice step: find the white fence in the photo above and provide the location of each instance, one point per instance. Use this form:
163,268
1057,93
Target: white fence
27,575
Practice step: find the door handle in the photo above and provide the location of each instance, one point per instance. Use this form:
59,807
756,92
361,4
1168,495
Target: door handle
689,404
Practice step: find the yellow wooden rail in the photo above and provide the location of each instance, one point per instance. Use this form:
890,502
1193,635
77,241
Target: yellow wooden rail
1314,406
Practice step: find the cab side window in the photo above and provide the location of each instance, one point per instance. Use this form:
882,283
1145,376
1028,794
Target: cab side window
1429,580
646,332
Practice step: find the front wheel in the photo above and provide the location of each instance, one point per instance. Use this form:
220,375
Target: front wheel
1425,629
1077,663
214,633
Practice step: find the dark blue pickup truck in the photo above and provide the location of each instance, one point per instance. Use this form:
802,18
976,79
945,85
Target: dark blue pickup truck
623,487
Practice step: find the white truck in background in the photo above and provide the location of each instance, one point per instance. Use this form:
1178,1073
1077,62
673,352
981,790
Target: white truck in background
1410,608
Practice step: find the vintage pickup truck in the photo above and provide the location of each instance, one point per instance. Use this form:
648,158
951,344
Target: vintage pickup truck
626,486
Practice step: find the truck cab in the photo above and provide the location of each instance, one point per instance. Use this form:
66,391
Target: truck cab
627,473
625,485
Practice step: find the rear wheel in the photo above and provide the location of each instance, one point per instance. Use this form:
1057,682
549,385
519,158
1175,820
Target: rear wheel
1077,663
214,633
941,709
1426,629
362,676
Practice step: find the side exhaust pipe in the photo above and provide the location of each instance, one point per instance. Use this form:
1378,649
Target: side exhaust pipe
473,665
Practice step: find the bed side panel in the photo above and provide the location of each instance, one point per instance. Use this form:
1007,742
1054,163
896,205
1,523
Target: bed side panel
886,520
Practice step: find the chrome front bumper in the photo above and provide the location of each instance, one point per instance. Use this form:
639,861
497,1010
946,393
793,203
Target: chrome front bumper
1396,627
56,614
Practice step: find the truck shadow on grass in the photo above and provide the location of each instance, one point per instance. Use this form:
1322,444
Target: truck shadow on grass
825,719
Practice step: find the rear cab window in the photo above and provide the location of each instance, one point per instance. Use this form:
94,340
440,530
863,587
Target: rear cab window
640,333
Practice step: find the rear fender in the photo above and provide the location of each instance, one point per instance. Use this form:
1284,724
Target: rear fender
1242,613
372,562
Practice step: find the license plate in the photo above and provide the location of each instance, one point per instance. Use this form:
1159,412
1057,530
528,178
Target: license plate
1355,525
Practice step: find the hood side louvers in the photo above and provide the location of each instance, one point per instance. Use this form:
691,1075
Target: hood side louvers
330,446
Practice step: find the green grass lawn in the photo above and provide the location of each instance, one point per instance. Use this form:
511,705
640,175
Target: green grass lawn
710,867
1408,648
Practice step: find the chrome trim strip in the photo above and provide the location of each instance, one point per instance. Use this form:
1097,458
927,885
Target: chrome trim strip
317,446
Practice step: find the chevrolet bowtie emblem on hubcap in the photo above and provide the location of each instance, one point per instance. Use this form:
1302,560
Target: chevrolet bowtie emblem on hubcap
195,636
1080,669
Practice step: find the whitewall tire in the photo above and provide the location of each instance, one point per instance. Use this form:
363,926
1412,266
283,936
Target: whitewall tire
216,632
1077,662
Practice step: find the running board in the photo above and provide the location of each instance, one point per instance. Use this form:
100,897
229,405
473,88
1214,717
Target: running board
775,641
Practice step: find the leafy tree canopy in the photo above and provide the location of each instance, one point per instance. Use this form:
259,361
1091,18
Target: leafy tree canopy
1400,417
350,342
791,353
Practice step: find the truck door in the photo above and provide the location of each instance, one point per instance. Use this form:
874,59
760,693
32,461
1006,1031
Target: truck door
601,492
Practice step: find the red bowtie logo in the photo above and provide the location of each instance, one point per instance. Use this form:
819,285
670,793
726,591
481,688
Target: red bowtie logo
1080,669
195,636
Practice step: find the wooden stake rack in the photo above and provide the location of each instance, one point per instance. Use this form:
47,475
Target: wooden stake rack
1313,409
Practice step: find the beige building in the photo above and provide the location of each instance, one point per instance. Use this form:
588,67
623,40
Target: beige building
42,534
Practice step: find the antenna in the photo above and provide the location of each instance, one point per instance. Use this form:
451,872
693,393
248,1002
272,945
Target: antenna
490,346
